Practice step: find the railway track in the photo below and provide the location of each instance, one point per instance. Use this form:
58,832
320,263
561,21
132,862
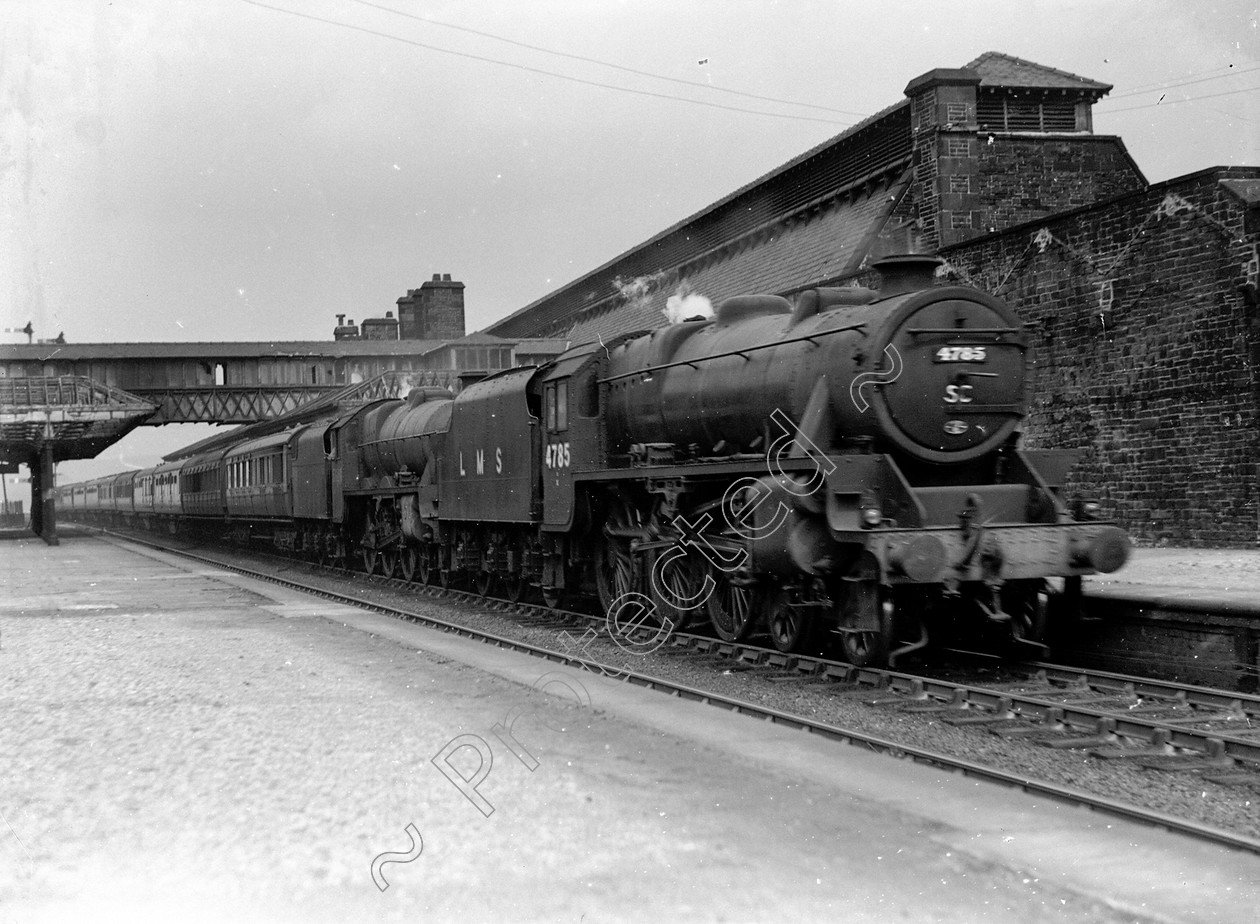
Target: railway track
1156,724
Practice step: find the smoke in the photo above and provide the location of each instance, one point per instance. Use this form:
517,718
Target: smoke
639,289
681,305
685,304
406,383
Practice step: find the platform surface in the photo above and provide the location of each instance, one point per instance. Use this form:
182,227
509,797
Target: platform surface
1207,579
178,743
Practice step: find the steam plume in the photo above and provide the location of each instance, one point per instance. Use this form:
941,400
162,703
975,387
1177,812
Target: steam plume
685,304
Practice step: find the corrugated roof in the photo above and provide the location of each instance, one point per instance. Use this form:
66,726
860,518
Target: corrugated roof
1001,70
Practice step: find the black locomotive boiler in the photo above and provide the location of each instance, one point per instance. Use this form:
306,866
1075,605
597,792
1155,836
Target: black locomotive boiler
844,467
891,487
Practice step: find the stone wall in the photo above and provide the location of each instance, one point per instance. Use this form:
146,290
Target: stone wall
969,182
1019,178
440,306
1144,348
435,311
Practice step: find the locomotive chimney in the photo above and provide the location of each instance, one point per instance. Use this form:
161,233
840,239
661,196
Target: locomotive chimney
906,273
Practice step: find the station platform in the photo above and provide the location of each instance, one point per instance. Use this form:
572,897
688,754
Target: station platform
180,743
1223,581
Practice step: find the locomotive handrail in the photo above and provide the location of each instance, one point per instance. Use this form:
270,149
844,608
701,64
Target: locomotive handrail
1012,408
962,331
743,352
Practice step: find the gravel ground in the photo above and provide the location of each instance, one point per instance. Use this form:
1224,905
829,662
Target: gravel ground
1185,795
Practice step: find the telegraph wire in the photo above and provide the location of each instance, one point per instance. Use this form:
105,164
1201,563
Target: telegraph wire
1173,102
1166,85
538,70
620,67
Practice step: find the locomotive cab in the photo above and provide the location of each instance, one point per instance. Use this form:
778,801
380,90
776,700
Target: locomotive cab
572,431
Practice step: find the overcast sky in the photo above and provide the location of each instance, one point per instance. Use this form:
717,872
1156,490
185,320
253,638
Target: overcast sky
220,170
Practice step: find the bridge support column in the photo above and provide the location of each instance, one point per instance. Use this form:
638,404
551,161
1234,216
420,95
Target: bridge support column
44,496
37,509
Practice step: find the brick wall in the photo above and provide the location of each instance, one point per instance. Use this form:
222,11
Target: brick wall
435,311
440,307
923,197
1019,178
968,181
1143,349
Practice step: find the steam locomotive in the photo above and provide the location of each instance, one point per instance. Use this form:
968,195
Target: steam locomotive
843,468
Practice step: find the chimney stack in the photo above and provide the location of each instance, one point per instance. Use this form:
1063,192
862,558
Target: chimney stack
435,311
345,330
